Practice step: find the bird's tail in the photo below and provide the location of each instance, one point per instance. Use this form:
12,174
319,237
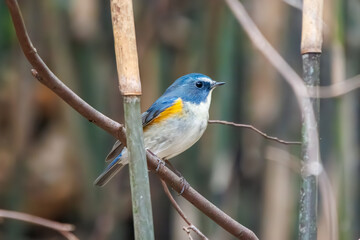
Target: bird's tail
110,171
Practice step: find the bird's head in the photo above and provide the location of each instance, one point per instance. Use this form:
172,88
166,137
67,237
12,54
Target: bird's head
193,87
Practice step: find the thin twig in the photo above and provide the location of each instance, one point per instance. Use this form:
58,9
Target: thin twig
68,235
337,89
62,228
48,78
188,232
191,227
181,213
254,129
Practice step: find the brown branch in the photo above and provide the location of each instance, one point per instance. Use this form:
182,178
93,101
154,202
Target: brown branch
49,79
45,76
337,89
63,228
254,129
181,213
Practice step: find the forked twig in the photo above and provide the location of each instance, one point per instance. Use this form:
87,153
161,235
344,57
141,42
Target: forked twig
188,231
182,214
63,228
254,129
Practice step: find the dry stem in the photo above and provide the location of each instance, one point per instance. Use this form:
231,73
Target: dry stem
181,213
63,228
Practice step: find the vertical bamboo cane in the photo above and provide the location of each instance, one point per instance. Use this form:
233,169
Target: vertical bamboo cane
130,87
346,130
311,43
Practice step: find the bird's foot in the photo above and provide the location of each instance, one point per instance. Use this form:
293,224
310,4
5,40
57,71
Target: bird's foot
185,185
161,163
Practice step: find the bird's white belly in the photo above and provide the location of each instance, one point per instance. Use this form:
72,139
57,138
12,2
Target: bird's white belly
175,135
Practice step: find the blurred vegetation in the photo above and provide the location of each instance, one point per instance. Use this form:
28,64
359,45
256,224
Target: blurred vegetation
49,155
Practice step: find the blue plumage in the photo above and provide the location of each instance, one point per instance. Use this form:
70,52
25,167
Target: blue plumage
185,88
158,107
113,162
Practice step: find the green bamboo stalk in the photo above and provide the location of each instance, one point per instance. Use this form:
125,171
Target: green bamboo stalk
311,43
309,188
130,87
346,131
139,181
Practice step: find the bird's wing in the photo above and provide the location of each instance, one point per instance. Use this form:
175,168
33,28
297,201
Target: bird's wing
161,109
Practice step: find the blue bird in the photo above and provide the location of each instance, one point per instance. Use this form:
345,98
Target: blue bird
172,124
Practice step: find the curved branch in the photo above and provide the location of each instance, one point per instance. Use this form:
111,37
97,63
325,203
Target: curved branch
63,228
181,213
254,129
49,79
45,76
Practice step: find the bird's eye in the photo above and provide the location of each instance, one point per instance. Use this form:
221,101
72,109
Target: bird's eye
199,84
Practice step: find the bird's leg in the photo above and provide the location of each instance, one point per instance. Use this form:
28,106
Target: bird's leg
185,184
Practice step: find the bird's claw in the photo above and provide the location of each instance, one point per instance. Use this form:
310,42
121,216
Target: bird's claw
160,163
185,185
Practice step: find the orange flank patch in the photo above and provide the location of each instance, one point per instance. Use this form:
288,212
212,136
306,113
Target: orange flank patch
174,109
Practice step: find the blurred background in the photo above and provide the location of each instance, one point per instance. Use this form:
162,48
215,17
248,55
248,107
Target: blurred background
50,156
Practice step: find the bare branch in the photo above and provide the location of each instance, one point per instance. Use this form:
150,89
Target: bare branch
181,213
45,76
49,79
254,129
188,232
63,228
174,203
337,89
192,227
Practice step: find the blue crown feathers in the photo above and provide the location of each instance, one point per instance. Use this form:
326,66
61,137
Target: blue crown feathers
193,87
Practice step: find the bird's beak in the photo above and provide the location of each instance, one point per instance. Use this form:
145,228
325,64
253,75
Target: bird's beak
216,84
